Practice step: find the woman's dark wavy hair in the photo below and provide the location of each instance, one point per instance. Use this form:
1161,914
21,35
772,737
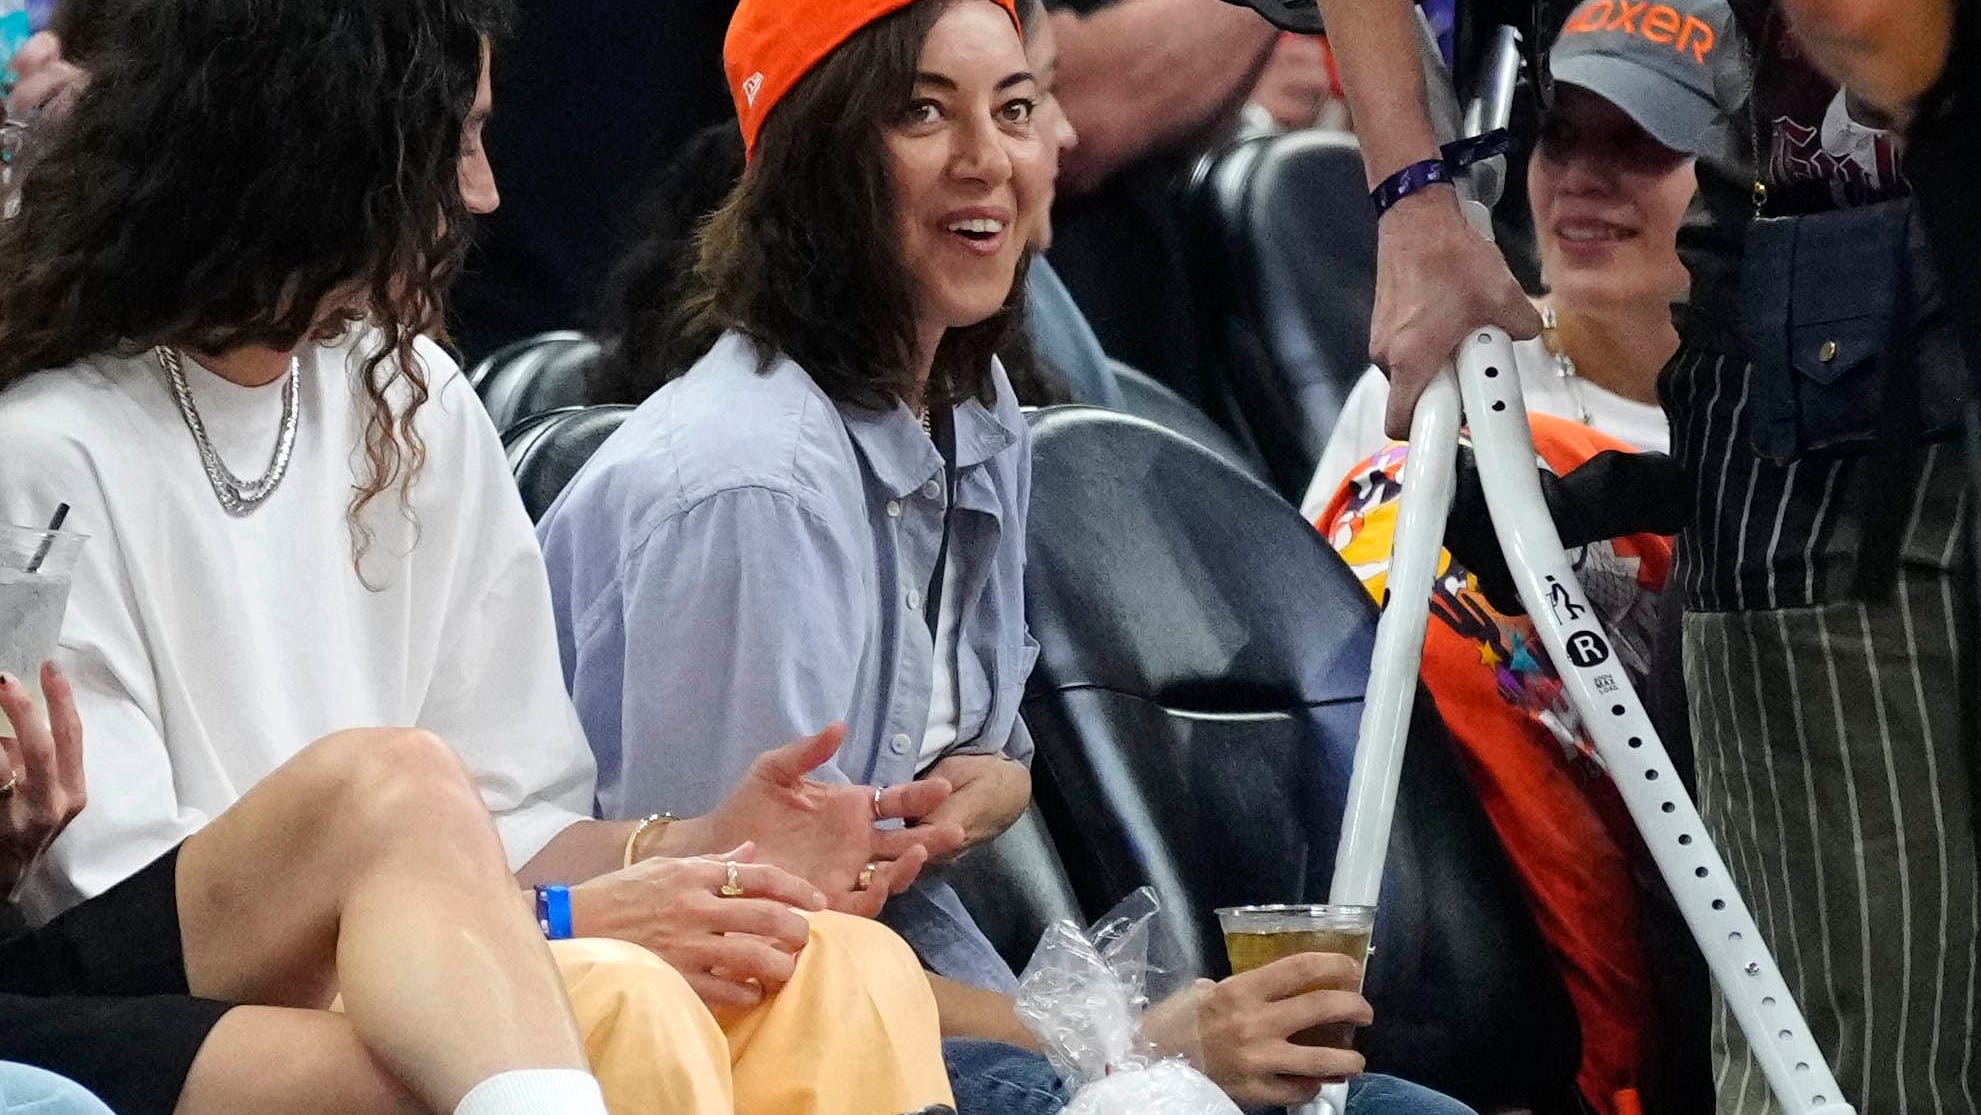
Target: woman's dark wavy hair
235,169
804,255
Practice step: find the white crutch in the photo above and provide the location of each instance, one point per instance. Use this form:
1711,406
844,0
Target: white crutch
1594,680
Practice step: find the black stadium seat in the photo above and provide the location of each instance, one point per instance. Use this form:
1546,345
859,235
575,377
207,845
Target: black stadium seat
1196,701
1284,249
535,374
1144,397
547,449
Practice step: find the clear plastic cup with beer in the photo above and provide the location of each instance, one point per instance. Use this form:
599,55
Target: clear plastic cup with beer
35,567
1255,936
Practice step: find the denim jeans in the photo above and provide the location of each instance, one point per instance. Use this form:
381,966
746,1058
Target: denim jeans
29,1091
991,1078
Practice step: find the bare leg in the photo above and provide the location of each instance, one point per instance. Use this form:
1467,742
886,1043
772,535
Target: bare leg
368,864
279,1061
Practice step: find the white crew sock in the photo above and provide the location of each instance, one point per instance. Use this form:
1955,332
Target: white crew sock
535,1092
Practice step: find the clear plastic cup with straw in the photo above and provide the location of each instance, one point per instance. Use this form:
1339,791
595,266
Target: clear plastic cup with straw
35,567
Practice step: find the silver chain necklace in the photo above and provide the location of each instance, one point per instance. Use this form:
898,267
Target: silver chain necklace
239,497
1565,369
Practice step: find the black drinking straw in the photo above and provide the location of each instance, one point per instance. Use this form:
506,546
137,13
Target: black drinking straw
54,524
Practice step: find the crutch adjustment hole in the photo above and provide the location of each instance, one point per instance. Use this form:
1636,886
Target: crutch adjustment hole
1819,1100
1768,1001
1492,373
1650,776
1718,903
1617,710
1668,807
1499,406
1733,936
1802,1066
1701,872
1685,838
1485,338
1636,741
1785,1035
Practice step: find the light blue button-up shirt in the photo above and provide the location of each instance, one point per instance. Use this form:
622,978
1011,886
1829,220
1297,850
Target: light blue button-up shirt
744,562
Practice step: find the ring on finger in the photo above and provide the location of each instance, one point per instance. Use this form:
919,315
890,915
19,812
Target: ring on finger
12,783
866,878
732,880
878,791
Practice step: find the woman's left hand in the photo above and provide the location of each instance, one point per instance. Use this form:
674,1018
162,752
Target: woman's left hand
826,832
989,794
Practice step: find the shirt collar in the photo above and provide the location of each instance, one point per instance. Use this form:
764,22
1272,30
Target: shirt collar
902,457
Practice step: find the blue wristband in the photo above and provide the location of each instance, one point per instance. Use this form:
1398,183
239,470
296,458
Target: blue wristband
1452,161
554,912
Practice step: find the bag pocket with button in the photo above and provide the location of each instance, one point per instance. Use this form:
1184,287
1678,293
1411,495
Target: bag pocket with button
1820,300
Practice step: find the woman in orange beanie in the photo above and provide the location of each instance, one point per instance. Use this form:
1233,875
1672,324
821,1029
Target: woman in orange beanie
820,517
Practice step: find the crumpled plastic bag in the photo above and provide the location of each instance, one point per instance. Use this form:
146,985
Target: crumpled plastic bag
1083,995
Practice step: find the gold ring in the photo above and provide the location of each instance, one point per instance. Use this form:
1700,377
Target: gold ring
8,787
732,883
878,791
866,878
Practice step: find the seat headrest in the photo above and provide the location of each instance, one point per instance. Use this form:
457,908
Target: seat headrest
1205,624
1285,245
1144,397
1312,235
536,374
546,450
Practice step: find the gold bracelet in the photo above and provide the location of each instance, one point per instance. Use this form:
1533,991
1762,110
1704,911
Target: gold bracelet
640,829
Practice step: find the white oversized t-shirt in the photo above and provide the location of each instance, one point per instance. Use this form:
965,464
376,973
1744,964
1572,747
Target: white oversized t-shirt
206,650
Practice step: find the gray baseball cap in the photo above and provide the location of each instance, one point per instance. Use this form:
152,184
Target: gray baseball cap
1671,65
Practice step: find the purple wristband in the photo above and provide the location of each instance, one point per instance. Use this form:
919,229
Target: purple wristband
1452,161
1409,180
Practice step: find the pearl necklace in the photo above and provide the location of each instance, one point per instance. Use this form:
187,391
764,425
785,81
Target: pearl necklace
240,498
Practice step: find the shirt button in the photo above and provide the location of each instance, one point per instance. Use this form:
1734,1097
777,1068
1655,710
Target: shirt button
900,744
914,599
932,490
893,509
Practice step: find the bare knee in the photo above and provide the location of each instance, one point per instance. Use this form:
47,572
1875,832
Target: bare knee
390,783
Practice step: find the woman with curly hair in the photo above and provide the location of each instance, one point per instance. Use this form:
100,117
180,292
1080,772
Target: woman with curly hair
226,258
